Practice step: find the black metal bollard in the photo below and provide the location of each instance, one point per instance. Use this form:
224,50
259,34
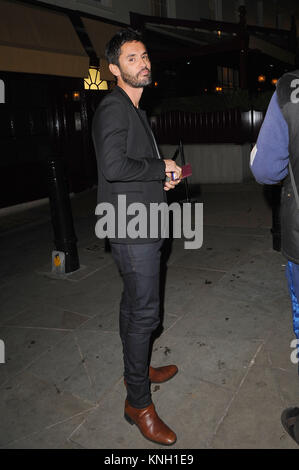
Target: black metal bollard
65,239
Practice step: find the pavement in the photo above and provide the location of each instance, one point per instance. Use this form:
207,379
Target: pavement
227,325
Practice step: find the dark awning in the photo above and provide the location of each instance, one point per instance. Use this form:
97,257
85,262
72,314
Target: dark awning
37,40
100,33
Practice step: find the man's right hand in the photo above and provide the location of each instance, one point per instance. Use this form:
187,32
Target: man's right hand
170,166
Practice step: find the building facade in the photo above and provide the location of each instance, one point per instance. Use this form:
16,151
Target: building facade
267,13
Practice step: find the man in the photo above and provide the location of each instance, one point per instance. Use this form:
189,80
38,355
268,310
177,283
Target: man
275,158
129,165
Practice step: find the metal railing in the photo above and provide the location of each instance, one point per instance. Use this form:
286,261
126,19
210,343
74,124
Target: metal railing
228,126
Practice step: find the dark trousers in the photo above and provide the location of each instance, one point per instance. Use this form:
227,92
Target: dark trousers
139,266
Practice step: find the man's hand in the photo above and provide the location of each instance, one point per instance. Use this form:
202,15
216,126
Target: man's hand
171,166
170,184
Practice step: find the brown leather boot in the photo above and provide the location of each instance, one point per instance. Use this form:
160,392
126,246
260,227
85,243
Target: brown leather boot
149,424
158,375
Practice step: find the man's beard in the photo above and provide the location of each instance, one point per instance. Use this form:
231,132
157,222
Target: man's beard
135,81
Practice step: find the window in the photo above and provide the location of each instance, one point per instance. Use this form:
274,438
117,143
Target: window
260,13
228,78
215,9
159,7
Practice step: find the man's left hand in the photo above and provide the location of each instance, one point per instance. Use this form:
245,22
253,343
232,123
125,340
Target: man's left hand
170,184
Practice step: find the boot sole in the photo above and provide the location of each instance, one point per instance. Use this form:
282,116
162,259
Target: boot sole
130,421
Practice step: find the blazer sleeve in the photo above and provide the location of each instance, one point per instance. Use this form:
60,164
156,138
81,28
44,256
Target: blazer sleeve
109,132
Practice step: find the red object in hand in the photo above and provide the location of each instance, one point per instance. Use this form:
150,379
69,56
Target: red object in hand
186,171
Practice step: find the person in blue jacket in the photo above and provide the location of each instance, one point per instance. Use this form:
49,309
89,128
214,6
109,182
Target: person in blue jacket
275,159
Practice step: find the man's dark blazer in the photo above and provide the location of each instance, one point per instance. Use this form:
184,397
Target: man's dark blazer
128,162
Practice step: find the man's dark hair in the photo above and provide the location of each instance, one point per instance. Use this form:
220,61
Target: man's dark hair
112,51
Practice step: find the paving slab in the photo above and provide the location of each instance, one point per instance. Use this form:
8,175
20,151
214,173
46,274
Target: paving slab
100,430
214,359
253,419
25,345
245,205
11,304
288,385
87,364
42,315
279,350
21,252
29,404
221,250
182,284
258,285
188,411
88,297
54,436
66,369
220,317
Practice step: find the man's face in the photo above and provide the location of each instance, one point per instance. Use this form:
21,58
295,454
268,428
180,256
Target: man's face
134,64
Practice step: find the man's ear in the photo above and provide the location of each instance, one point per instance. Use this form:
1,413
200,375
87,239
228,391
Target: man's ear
114,69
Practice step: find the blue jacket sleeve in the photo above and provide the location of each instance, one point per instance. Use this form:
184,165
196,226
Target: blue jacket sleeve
270,156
